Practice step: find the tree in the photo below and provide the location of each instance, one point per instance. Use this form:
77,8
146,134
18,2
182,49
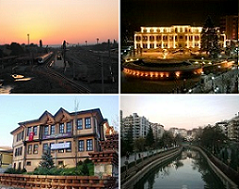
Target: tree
167,139
127,142
139,144
212,138
210,39
47,160
150,138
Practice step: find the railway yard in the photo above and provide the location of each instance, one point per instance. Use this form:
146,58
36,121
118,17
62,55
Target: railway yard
81,72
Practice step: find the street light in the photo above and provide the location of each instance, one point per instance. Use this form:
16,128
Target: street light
213,83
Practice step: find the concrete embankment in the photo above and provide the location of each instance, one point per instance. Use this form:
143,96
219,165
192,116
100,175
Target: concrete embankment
224,178
132,175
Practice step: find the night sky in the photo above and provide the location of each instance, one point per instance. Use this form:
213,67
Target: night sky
136,13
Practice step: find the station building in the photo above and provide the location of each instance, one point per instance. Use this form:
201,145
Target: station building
175,37
70,136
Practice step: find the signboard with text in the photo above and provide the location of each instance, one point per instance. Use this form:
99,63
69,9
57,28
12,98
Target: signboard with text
60,146
60,135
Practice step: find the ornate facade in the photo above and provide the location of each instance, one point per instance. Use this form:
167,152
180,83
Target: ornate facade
174,37
70,136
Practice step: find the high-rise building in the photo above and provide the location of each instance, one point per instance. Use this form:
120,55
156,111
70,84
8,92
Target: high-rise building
233,128
229,26
140,126
158,130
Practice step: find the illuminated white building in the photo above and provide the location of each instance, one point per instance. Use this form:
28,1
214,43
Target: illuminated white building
184,36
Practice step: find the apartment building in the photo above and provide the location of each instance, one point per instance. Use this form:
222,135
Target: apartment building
229,26
70,137
233,128
140,125
158,130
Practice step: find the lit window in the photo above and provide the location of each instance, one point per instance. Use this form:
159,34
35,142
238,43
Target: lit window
89,145
87,123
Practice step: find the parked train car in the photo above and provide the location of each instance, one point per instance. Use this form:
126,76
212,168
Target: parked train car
42,59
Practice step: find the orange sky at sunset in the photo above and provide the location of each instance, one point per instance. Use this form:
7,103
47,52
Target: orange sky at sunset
75,21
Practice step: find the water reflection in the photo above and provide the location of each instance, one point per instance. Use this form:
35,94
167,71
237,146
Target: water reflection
188,171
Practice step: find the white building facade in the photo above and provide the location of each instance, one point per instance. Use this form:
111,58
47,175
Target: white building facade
140,126
173,37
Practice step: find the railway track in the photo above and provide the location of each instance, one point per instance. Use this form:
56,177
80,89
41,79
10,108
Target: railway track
68,84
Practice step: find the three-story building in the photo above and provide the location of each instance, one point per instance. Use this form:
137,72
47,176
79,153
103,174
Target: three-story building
69,136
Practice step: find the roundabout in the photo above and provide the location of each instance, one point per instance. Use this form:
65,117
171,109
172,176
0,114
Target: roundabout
154,68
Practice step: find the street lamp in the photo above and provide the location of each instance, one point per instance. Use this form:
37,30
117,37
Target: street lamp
213,83
28,39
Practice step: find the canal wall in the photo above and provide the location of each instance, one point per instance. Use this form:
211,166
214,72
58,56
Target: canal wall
220,173
129,176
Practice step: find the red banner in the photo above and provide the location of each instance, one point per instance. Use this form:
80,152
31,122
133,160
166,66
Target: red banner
31,136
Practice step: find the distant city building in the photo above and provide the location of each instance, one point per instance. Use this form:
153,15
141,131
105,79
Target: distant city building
233,128
174,37
5,157
70,136
223,125
229,26
140,126
174,131
158,130
182,132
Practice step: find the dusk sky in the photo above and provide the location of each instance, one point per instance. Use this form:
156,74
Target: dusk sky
18,108
57,20
182,111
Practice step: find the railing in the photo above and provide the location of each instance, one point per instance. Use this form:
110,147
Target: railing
56,182
136,170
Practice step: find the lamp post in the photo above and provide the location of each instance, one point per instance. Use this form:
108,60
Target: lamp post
213,83
28,39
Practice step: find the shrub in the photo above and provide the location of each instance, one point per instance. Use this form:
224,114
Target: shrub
87,160
15,171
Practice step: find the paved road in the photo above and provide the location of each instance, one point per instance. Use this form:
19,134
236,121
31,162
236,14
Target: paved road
135,156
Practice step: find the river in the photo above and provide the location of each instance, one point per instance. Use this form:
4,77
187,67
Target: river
188,171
